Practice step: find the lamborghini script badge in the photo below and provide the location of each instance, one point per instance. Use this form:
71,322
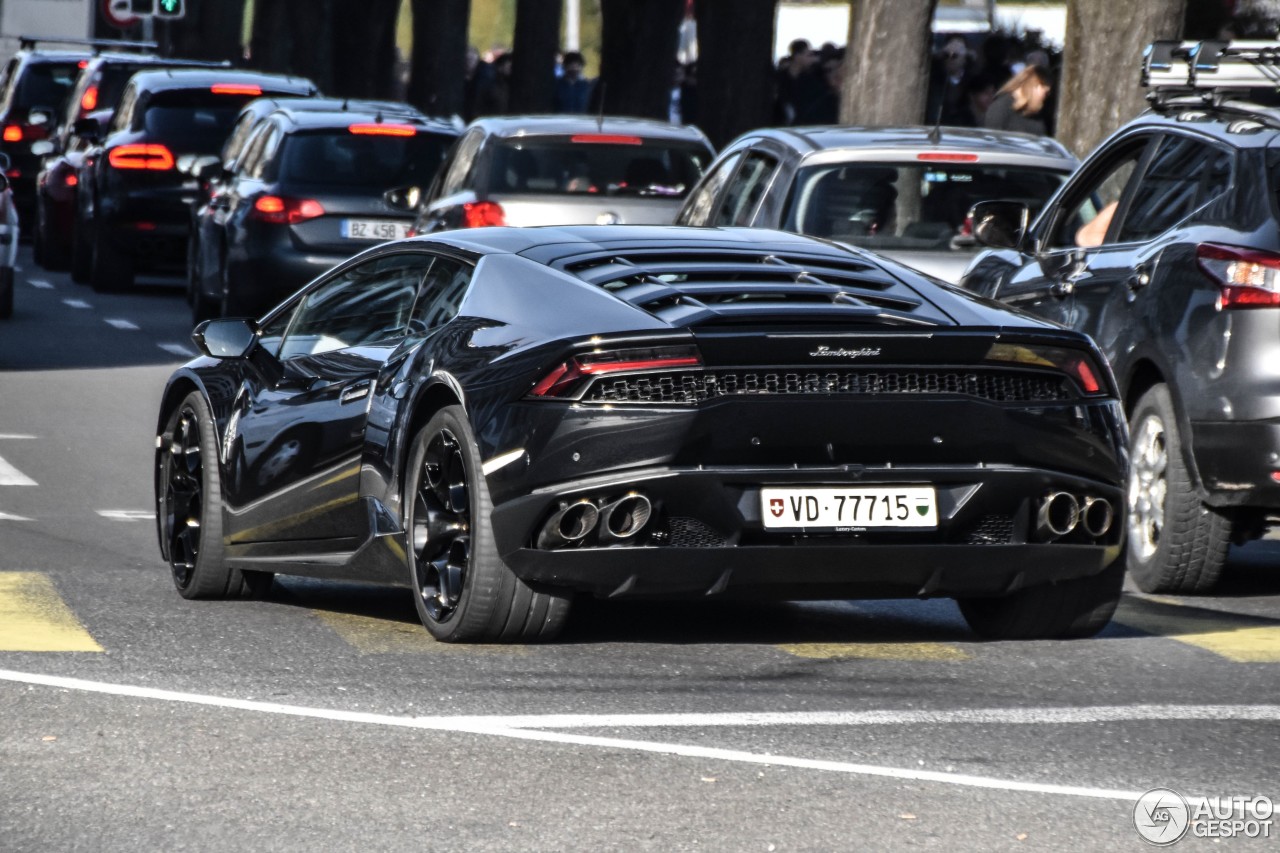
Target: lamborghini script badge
828,352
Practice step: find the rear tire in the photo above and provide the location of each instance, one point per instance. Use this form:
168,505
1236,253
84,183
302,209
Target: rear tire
463,591
1176,543
111,270
190,508
1066,610
6,292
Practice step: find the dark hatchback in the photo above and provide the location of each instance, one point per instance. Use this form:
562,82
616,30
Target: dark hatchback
498,418
133,200
312,187
1165,248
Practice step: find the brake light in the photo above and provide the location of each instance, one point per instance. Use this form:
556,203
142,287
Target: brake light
89,100
13,173
12,133
71,180
480,214
947,157
82,64
569,376
1246,278
382,129
236,89
286,211
1080,366
606,139
151,157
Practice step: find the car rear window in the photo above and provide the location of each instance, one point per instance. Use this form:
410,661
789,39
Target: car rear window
589,163
197,119
339,158
46,85
907,206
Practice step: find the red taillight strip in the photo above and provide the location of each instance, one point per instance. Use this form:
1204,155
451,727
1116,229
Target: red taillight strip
565,377
235,89
606,139
155,158
947,157
383,129
89,100
598,368
1246,278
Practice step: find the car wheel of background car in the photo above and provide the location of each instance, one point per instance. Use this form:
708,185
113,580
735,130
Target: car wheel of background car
111,269
6,292
1176,543
191,507
1070,609
463,591
81,253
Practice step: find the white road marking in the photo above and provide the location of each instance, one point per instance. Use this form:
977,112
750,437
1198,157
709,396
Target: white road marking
14,435
177,349
498,726
10,476
123,325
501,461
76,303
40,285
4,516
127,514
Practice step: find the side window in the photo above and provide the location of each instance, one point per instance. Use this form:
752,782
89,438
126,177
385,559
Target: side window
366,305
1084,217
266,158
236,141
1183,175
462,160
441,294
255,157
697,210
746,189
124,113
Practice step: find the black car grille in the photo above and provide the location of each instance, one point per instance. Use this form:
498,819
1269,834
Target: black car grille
697,387
992,530
691,533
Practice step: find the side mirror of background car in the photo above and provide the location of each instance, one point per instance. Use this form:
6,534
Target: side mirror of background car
1000,224
39,116
403,198
88,129
44,147
231,337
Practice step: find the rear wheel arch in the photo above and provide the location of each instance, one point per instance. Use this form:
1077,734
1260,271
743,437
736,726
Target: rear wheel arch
430,400
1144,376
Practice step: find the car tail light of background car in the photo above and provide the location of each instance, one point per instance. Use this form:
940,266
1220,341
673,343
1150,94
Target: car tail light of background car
383,129
20,132
236,89
479,214
570,376
148,156
285,211
1247,278
606,139
89,100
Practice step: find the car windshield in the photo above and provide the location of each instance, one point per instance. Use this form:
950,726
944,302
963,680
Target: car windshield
197,119
908,206
338,158
46,85
596,163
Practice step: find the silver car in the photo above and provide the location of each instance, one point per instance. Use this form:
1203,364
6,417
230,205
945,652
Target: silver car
904,192
565,170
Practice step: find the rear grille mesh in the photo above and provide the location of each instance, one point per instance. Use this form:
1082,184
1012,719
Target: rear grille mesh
992,530
691,533
698,387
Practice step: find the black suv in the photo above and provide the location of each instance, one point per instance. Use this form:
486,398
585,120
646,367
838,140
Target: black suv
133,195
1164,247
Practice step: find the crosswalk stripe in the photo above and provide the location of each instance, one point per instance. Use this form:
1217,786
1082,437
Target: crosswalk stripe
127,514
121,324
177,349
876,651
1237,638
40,285
10,476
76,303
5,516
34,618
377,636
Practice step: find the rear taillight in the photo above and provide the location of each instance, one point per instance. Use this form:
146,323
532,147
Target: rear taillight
12,133
71,180
382,129
285,211
89,100
148,156
236,89
1246,278
480,214
19,132
1080,366
566,379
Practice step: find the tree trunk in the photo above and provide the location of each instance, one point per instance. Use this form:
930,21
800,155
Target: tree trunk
886,67
534,48
363,36
269,42
439,56
638,52
735,67
210,30
309,34
1100,85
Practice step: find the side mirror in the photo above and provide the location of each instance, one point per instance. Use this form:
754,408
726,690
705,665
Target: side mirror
87,128
210,170
44,147
1000,224
231,337
403,198
38,116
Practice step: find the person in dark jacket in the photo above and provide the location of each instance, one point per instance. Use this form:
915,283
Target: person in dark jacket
1019,105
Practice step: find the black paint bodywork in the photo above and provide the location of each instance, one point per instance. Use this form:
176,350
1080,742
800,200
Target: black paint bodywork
534,300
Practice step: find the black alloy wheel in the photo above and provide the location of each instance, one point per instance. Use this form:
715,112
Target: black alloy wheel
442,527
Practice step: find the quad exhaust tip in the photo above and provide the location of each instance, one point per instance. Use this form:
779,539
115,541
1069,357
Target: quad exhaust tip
626,517
1097,516
571,523
1059,514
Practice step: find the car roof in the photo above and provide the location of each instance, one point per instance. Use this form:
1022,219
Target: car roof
337,119
567,125
916,138
1239,124
113,58
174,79
41,55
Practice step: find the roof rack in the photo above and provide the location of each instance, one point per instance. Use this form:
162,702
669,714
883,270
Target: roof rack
1172,69
98,45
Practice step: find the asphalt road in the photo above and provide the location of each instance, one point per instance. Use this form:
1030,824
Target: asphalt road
325,718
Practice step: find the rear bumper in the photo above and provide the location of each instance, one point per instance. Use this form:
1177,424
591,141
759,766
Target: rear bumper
1235,461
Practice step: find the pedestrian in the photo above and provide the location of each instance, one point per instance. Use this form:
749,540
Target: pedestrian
573,90
495,98
477,80
1019,105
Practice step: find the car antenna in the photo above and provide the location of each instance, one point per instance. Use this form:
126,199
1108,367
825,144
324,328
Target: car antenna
344,104
935,132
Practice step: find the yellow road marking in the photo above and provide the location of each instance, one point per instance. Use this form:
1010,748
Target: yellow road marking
34,618
876,651
1237,638
373,636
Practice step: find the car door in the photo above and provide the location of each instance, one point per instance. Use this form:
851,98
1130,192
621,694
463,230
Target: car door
296,437
1074,241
